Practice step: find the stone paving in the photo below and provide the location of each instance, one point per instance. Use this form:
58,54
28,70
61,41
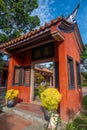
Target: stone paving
28,120
14,120
17,119
9,121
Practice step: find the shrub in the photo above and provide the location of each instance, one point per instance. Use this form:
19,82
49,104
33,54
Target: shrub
11,94
50,98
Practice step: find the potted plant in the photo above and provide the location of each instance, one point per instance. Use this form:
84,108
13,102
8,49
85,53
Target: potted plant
50,99
11,94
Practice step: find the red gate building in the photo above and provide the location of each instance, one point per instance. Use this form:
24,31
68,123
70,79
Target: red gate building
59,43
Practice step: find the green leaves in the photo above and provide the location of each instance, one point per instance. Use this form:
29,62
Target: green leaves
84,74
84,54
16,18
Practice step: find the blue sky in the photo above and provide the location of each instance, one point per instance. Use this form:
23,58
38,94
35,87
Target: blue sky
51,9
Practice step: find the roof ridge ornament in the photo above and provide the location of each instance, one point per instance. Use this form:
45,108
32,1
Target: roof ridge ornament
72,17
67,25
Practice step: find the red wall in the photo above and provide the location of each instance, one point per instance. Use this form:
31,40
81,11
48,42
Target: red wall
71,99
23,59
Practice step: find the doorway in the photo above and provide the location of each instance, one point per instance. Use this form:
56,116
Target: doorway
43,77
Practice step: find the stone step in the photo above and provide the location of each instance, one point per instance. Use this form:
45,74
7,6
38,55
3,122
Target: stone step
25,114
38,121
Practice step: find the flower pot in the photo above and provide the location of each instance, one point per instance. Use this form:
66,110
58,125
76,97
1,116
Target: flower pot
47,114
10,103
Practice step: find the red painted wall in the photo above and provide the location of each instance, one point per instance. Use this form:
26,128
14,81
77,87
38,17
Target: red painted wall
23,59
71,99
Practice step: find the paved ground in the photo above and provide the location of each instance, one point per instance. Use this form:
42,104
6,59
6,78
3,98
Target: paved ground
16,119
9,121
13,122
84,91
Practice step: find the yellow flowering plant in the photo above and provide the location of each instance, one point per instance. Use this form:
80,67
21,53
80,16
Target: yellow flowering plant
50,98
11,94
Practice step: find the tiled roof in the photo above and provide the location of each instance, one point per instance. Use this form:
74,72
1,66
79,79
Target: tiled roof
36,31
43,70
43,30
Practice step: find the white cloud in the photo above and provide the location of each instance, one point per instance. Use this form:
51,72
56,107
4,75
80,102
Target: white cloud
44,11
52,1
47,8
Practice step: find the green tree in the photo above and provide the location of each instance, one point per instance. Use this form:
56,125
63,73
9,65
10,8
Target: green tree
16,18
84,54
38,78
50,66
84,74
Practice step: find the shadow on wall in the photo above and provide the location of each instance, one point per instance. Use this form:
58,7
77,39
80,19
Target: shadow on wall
71,114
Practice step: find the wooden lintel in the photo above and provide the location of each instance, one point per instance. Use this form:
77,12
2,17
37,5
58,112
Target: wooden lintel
42,43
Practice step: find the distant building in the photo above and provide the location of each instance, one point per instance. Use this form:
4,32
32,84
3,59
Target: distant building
4,74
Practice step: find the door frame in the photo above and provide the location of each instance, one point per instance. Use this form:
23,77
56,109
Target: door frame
32,78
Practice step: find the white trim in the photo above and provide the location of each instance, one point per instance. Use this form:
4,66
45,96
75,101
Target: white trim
32,84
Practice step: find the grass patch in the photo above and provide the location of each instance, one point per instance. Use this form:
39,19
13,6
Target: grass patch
80,122
84,84
84,102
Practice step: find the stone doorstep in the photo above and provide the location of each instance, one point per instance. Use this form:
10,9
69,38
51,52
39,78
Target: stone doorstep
36,119
29,115
25,114
37,122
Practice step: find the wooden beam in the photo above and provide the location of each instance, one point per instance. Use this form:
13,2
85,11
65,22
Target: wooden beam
42,43
57,36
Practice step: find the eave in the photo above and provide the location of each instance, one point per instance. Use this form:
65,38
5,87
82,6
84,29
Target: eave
35,40
43,35
40,36
78,38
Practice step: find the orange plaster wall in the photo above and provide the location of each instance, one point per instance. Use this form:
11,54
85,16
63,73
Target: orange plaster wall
62,78
71,99
23,59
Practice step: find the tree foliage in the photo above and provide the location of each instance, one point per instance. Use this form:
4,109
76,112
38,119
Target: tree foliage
84,54
16,18
84,74
38,78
